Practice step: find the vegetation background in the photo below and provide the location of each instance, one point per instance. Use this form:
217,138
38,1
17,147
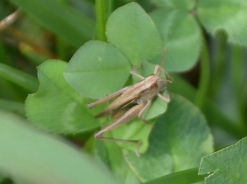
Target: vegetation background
46,50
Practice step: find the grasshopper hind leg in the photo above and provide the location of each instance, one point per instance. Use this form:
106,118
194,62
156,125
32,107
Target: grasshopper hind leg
137,142
126,117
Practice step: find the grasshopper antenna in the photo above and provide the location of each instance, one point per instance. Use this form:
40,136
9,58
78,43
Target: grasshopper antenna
163,58
161,64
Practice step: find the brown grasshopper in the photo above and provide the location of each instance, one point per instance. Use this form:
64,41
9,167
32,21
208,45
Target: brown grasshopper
132,101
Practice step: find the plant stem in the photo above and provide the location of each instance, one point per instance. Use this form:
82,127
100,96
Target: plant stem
204,78
238,77
219,60
101,19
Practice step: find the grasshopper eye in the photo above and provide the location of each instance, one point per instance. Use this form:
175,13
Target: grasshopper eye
161,84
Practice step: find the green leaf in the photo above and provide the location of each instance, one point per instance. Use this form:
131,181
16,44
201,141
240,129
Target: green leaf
56,106
2,176
177,142
40,158
97,69
131,30
60,18
227,166
213,114
115,161
231,17
181,38
181,4
133,130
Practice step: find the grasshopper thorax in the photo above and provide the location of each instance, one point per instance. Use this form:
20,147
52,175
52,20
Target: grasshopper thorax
155,81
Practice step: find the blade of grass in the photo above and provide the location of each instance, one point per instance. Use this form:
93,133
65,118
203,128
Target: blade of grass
10,19
32,55
183,177
10,91
23,38
68,23
3,55
22,79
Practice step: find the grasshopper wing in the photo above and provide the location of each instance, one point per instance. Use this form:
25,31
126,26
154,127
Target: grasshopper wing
107,98
131,94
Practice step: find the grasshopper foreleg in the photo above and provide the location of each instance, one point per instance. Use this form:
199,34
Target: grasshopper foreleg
165,98
143,111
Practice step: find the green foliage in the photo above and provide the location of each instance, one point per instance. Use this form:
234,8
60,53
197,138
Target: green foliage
230,14
179,137
55,160
59,18
55,93
96,62
221,164
171,148
185,4
182,177
20,78
181,37
131,30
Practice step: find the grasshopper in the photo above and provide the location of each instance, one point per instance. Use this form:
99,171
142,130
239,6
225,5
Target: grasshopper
132,101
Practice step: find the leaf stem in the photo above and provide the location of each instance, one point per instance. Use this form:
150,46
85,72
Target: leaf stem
101,19
204,78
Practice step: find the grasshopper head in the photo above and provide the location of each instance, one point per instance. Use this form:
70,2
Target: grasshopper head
161,83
